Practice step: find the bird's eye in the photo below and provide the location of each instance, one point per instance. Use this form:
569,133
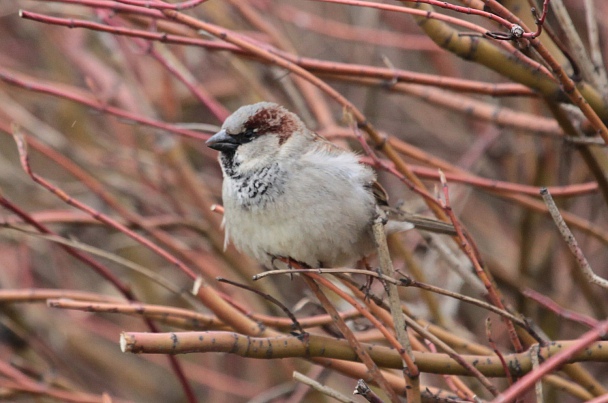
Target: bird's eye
245,136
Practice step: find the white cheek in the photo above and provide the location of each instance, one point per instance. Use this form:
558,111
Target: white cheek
257,153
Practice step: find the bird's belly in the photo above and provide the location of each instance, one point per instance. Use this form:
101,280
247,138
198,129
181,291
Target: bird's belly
299,236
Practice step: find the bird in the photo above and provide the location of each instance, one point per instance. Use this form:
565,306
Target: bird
289,193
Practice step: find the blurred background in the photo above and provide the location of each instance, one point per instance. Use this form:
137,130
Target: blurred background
115,101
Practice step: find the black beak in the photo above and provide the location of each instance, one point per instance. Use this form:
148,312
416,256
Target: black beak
222,141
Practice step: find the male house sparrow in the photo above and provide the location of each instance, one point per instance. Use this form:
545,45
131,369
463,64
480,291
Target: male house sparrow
288,192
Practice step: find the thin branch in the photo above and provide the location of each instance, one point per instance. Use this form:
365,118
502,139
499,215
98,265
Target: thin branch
404,281
581,260
410,370
294,320
326,390
551,364
362,353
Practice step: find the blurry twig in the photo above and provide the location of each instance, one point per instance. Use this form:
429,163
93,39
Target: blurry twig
427,13
582,262
172,316
569,87
563,312
37,85
574,41
357,34
14,380
99,268
20,139
471,252
496,351
554,362
321,388
381,311
342,71
410,151
455,384
460,265
348,334
44,294
270,298
595,50
157,278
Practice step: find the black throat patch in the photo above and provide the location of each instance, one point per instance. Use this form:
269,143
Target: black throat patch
257,188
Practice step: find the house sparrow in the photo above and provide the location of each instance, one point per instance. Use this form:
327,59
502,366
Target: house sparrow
287,192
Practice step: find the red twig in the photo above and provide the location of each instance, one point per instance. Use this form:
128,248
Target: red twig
23,155
100,269
539,20
497,351
160,5
115,6
388,167
468,248
108,275
139,33
555,308
450,20
558,71
377,324
552,364
32,84
217,109
373,369
331,68
441,4
497,185
333,28
453,382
